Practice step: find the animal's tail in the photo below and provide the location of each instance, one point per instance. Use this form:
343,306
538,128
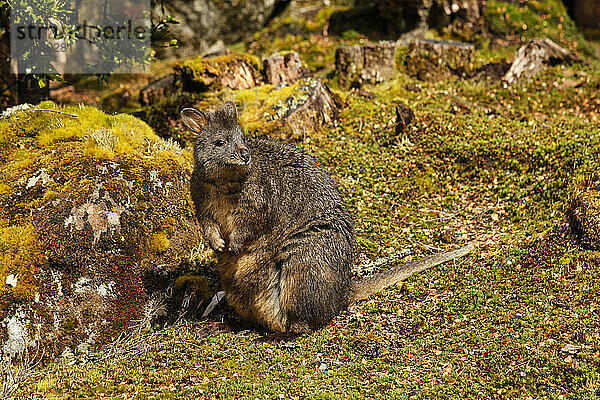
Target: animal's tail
367,286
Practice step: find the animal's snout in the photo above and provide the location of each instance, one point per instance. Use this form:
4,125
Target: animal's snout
245,155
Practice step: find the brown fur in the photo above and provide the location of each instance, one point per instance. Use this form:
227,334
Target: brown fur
281,232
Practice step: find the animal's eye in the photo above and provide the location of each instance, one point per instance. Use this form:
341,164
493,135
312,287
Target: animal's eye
220,143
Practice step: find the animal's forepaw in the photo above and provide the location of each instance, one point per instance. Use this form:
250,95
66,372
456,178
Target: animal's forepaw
216,241
214,238
218,244
234,247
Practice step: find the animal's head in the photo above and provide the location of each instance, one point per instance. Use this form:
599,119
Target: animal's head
220,149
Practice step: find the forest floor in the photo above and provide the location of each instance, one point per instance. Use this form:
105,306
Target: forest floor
519,318
481,163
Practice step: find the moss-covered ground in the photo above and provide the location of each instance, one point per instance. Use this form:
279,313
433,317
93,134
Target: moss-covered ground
481,163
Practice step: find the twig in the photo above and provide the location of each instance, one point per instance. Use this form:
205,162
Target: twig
53,111
188,343
273,366
437,211
424,221
429,247
465,103
11,376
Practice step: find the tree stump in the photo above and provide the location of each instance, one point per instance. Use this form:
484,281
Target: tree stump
535,56
160,89
371,63
283,68
434,60
584,218
234,71
312,106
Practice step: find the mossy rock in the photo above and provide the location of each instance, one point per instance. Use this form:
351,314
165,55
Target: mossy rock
584,218
95,219
234,71
516,22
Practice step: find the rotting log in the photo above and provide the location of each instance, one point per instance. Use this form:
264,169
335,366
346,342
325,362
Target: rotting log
370,63
535,56
159,89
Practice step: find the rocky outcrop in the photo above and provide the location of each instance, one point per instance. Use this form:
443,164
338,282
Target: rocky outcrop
204,22
96,223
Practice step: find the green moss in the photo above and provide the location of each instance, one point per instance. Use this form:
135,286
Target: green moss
306,36
118,100
20,257
259,106
532,19
121,134
430,63
160,242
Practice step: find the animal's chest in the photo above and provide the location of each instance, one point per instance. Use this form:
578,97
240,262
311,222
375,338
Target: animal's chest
221,207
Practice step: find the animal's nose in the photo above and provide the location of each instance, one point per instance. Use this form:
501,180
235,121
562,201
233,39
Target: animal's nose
245,155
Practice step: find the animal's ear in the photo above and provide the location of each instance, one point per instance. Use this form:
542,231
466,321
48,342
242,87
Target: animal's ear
194,120
230,110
